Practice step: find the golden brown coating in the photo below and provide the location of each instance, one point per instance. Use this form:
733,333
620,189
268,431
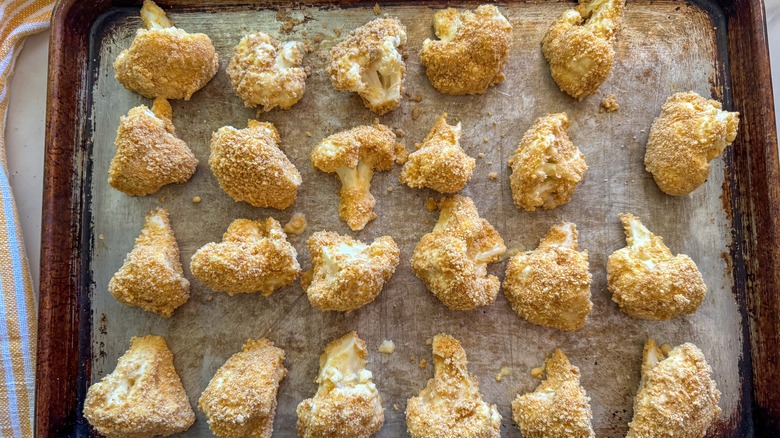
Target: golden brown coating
148,153
347,403
250,167
143,397
578,45
471,52
152,277
347,274
690,132
546,166
550,286
369,62
677,398
354,155
164,61
267,73
452,259
450,405
254,256
647,282
439,162
240,400
559,407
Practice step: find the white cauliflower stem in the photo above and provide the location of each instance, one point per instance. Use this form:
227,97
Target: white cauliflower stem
347,403
368,62
355,155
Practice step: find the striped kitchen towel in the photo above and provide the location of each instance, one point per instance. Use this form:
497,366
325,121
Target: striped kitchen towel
18,317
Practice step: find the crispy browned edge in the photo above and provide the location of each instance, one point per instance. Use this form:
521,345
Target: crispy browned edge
755,200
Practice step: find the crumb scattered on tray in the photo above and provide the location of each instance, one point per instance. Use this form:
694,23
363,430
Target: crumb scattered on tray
505,371
296,224
609,104
416,111
485,140
493,175
389,189
196,199
537,372
430,204
101,236
481,155
395,406
386,347
377,9
400,133
337,31
308,134
429,341
423,363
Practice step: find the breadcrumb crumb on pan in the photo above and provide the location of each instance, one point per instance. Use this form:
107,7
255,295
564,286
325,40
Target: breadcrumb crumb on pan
559,407
347,402
347,274
546,166
148,153
151,276
142,397
240,400
164,61
254,256
452,259
550,286
450,406
690,132
250,167
647,281
439,163
471,50
677,397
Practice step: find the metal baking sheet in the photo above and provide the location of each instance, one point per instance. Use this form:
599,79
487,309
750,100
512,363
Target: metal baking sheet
663,47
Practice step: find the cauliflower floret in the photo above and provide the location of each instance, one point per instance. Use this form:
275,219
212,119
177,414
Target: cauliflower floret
439,162
471,52
250,167
355,155
647,282
450,406
347,274
240,400
550,286
148,154
452,259
559,407
676,398
368,62
164,61
152,277
142,397
546,166
690,132
267,73
578,46
347,403
254,256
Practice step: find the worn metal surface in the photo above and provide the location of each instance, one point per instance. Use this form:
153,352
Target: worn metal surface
663,48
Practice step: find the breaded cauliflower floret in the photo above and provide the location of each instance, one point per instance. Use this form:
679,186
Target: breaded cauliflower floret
690,132
240,400
354,155
143,397
676,398
559,407
471,52
452,259
550,286
439,162
369,62
148,153
152,277
347,403
250,167
546,166
450,406
347,274
254,256
267,73
578,46
647,282
164,61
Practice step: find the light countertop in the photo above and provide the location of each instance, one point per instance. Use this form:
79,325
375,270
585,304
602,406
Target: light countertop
24,134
